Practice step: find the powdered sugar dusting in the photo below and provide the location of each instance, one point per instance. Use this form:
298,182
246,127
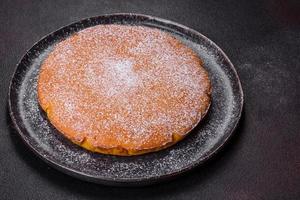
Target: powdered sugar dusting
132,86
118,77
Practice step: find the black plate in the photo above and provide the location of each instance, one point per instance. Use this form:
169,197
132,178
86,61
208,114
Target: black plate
202,143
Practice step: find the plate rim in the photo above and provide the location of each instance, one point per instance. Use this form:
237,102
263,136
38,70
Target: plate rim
130,181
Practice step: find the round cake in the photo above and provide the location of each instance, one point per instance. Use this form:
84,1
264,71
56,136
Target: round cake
123,90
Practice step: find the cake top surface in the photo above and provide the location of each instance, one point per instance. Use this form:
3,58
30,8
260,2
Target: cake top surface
123,86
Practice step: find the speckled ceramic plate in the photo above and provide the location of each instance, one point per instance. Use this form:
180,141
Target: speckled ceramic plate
202,143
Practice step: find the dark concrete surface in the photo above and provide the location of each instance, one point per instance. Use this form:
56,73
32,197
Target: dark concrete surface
262,39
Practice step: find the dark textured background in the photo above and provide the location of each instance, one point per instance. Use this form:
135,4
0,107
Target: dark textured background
262,39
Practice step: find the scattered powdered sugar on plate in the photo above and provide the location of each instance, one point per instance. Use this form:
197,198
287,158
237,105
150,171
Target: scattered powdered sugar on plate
51,145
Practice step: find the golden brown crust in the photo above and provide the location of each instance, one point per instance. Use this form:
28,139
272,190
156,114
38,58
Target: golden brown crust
123,90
